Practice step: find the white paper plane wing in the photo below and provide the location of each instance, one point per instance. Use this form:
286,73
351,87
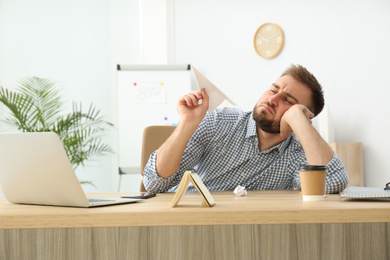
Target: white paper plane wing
216,96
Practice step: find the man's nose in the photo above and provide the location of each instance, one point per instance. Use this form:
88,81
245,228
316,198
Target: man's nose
273,100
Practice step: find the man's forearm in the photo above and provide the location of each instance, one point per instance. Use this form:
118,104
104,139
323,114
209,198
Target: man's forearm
317,150
191,114
170,153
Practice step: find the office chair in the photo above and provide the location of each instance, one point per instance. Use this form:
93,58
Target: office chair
153,137
351,154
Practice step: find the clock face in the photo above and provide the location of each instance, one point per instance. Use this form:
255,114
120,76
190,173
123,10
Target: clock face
269,40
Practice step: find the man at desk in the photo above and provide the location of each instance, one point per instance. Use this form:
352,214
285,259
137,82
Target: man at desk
260,150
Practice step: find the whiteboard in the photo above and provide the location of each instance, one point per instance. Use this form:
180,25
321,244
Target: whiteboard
147,95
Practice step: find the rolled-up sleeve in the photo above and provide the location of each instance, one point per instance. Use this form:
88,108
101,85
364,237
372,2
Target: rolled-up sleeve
152,181
336,176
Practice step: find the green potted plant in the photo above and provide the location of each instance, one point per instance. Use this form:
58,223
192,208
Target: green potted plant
36,106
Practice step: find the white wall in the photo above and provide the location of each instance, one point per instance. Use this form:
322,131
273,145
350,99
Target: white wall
78,44
124,48
156,31
344,43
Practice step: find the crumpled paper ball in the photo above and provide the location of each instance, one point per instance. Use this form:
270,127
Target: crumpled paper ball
240,191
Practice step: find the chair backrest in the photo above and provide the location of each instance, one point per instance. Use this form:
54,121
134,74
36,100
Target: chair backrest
351,154
153,137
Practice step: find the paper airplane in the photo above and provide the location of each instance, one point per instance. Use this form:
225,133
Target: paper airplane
216,96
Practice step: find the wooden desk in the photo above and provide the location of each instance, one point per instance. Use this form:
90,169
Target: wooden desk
262,225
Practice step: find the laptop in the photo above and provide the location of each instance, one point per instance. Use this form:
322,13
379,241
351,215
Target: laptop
34,169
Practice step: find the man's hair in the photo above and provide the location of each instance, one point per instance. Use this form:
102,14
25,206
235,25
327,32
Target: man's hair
301,74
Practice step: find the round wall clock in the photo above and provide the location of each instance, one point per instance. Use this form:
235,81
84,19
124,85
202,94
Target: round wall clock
269,40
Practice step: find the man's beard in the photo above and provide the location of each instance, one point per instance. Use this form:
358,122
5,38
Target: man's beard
267,125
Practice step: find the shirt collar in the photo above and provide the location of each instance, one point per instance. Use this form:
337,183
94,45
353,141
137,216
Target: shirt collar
251,129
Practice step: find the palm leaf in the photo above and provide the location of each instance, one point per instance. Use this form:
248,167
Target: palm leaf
21,108
83,145
81,134
46,98
88,182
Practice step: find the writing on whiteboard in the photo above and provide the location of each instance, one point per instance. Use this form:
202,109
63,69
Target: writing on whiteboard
148,92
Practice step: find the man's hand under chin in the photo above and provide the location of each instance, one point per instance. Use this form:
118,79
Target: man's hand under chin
294,118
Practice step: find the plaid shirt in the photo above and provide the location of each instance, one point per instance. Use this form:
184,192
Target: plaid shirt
224,152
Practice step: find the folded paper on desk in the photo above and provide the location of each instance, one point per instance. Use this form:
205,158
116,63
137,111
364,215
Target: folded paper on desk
216,96
189,176
365,193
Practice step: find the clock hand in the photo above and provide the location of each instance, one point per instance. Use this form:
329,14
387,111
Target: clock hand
273,36
267,40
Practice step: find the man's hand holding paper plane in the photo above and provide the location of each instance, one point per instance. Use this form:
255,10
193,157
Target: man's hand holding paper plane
216,96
